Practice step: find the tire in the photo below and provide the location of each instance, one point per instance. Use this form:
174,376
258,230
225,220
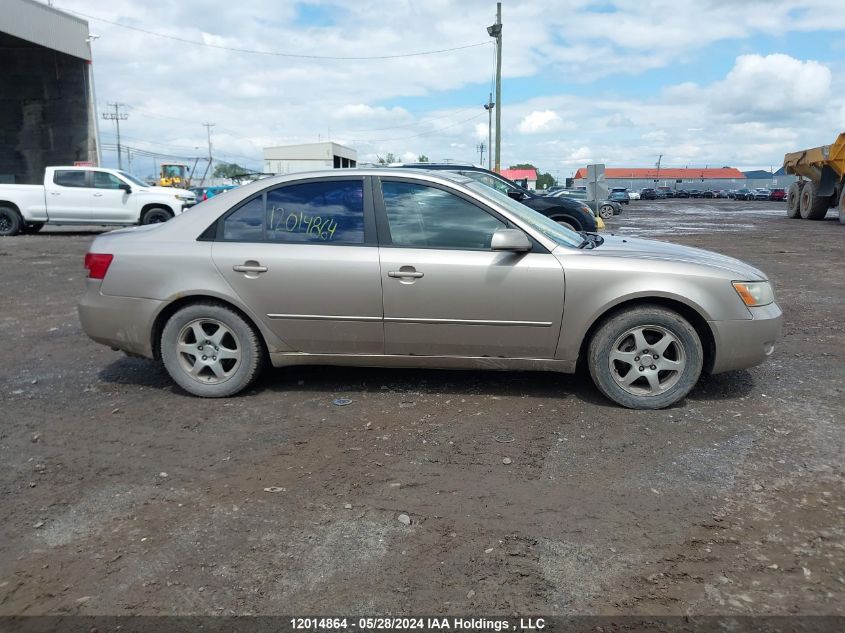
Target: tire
606,212
10,222
621,342
220,328
567,222
32,227
156,215
793,201
813,207
841,205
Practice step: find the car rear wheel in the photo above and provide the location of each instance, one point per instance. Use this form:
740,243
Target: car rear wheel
648,357
606,212
210,350
156,215
10,222
813,206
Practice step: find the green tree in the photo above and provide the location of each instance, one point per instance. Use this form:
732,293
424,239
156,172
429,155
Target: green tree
229,170
544,180
422,158
389,158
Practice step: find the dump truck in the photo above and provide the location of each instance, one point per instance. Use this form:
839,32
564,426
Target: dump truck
821,181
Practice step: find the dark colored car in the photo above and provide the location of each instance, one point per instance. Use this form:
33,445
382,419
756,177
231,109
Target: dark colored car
604,208
619,195
666,191
777,194
762,194
648,194
707,194
694,193
568,212
682,193
744,194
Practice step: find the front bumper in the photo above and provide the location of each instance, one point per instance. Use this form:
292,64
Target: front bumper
123,323
746,343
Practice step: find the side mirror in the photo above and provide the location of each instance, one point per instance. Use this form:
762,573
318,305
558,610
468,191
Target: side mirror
510,240
516,195
125,187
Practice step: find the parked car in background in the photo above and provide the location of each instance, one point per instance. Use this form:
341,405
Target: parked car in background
777,194
406,268
605,209
694,193
744,194
682,193
573,214
720,193
762,194
648,194
204,193
665,191
707,194
87,195
619,195
634,195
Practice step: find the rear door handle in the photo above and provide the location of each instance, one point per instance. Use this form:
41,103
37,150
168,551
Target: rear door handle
55,193
98,195
399,274
249,268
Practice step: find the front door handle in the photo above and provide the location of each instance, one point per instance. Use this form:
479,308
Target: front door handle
399,274
98,195
249,267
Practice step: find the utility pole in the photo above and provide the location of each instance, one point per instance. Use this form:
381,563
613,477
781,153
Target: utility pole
495,31
659,158
208,127
481,147
489,107
117,116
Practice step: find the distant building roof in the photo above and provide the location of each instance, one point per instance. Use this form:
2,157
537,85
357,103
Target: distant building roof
758,174
519,174
668,173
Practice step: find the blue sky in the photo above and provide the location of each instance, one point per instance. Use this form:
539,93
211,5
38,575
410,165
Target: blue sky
621,82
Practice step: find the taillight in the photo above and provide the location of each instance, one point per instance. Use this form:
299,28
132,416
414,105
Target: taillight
97,264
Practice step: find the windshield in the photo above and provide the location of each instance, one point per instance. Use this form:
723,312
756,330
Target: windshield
132,179
537,221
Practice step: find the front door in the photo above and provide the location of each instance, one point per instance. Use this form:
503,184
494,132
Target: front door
303,257
110,203
447,294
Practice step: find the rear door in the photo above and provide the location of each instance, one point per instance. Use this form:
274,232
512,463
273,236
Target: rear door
69,196
304,258
446,293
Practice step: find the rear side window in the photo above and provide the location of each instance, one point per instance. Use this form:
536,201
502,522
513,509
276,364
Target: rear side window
69,178
317,212
326,212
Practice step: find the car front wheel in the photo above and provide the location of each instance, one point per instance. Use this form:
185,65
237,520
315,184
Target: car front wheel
210,350
647,357
606,212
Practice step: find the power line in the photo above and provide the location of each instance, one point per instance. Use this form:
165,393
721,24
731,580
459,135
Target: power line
235,49
429,133
117,116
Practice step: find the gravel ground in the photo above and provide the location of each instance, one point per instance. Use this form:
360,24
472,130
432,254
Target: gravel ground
122,495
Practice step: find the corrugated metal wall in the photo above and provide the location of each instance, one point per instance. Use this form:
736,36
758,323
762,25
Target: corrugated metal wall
36,22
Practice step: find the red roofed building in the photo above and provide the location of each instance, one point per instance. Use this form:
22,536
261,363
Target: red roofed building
710,178
518,175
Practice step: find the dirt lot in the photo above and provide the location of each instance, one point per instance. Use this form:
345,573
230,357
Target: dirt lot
121,494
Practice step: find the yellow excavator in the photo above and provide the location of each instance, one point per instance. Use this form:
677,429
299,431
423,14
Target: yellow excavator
821,181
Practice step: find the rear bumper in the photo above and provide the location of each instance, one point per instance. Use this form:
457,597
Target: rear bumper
746,343
123,323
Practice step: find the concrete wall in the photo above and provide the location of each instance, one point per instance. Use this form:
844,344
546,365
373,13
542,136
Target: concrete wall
45,115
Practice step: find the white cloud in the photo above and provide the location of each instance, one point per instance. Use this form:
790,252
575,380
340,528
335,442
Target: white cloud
542,121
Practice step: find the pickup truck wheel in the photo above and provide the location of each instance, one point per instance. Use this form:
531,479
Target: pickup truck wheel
647,357
32,227
156,215
813,207
210,350
10,222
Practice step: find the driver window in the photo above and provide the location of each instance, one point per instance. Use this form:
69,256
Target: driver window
420,216
105,180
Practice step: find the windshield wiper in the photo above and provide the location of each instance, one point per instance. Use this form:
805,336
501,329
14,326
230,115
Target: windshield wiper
590,240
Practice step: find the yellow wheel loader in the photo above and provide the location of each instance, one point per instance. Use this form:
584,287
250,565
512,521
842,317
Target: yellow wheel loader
821,181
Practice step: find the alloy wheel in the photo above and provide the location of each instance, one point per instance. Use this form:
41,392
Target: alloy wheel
209,352
647,360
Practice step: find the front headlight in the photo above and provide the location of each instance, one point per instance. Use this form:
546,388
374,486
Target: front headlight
184,196
754,293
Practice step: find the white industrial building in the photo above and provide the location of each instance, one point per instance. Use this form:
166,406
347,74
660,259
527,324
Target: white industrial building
288,159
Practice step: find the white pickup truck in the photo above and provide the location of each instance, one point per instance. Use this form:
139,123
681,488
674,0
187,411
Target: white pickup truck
87,195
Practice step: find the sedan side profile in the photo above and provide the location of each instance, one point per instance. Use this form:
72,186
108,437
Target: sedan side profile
406,268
